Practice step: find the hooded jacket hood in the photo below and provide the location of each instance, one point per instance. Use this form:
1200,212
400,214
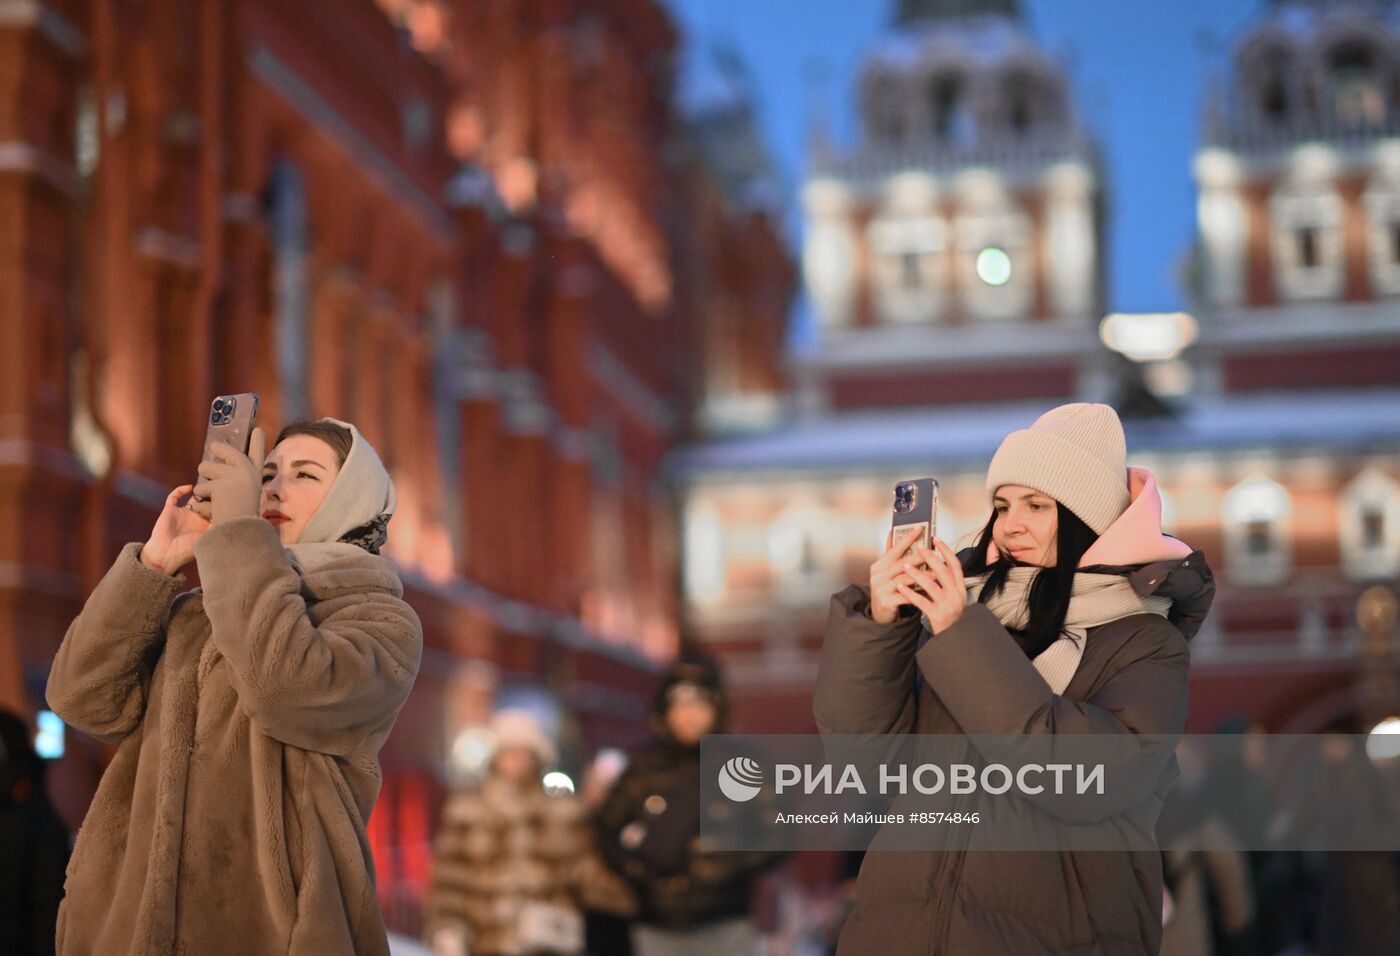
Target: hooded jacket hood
1155,563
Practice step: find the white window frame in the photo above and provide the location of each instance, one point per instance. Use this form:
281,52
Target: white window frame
1296,207
891,239
1258,499
789,534
1371,489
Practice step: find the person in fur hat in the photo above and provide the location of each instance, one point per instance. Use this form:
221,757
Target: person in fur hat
513,864
1070,614
693,900
247,714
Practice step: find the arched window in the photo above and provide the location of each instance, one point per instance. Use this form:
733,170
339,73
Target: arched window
287,205
908,241
1257,514
1369,526
1355,84
804,551
1274,96
951,111
1306,217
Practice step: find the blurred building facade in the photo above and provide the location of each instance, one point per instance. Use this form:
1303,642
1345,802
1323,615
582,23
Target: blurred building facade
483,231
954,264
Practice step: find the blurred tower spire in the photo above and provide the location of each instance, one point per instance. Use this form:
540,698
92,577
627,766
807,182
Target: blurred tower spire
919,12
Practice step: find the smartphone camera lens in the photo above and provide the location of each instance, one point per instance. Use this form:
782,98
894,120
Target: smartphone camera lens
904,497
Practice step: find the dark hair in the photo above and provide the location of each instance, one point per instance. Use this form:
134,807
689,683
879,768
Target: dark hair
337,436
1048,600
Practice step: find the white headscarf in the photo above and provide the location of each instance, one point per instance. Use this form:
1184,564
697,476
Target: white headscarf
361,492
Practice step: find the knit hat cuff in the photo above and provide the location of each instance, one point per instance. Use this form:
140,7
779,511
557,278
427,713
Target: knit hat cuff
1083,483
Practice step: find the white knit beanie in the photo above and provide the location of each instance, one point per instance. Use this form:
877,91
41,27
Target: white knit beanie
361,492
1077,455
519,728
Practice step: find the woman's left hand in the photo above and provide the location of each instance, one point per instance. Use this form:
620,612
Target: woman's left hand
232,482
943,584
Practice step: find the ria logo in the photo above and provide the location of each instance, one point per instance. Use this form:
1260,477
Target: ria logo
740,779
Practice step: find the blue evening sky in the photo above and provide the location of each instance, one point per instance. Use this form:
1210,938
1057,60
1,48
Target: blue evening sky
1138,69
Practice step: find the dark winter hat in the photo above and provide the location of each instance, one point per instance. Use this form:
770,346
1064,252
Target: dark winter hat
691,674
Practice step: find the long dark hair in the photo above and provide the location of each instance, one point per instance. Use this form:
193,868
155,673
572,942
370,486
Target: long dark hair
1048,601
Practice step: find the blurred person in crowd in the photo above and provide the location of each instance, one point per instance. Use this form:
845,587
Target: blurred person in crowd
844,899
1237,780
1329,896
514,865
247,715
608,923
1238,787
693,900
1208,895
33,847
1070,614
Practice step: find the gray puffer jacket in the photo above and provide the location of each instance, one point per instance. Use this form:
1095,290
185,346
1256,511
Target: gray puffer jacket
1132,679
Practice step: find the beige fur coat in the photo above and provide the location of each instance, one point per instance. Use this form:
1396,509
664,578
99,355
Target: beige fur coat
502,846
248,718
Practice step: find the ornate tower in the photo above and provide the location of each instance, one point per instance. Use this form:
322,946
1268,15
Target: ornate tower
1298,261
954,254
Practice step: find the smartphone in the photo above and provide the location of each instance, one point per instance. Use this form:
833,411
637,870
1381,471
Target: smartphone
916,505
231,419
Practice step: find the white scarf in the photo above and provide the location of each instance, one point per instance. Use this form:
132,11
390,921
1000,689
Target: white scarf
1096,599
361,492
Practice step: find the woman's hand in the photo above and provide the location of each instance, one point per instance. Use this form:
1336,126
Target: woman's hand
945,596
232,482
886,573
171,544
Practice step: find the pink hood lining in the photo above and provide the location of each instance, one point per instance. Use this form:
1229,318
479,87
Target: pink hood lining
1136,536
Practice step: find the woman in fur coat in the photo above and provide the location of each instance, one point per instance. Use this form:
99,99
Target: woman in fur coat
515,865
247,714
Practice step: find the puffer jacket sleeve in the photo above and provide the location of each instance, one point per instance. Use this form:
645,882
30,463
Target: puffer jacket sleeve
866,678
619,807
991,688
102,673
322,688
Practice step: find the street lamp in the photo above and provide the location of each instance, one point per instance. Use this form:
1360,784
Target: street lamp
1376,613
1150,344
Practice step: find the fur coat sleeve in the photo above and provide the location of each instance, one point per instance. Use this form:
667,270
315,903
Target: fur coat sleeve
320,681
101,675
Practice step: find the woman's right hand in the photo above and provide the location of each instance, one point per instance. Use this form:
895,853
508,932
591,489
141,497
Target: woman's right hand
887,572
171,544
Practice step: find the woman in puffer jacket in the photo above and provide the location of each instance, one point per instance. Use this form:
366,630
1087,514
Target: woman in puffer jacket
247,714
1069,615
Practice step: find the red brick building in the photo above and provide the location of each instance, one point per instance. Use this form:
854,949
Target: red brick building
480,230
